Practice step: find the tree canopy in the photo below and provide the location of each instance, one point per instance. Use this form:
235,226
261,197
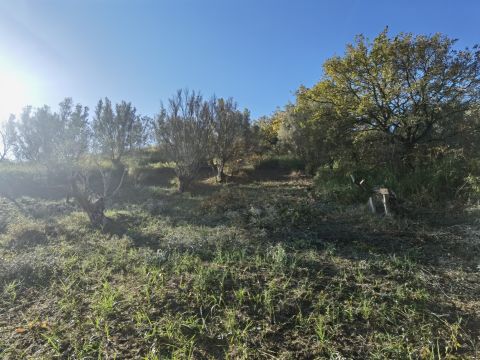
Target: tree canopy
413,89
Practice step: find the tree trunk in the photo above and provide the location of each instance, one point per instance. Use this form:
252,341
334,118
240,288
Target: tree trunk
118,165
220,172
183,183
408,157
96,213
94,209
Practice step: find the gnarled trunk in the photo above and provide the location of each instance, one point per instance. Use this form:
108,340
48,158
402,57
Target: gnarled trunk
220,172
95,209
96,213
184,183
92,202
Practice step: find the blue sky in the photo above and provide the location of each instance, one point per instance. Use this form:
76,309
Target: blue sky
257,51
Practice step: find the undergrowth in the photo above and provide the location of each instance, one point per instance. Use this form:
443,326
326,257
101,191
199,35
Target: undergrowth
261,270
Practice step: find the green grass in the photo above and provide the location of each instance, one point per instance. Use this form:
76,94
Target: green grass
260,270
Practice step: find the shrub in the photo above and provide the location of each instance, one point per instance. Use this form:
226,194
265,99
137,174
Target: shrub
334,185
432,183
285,163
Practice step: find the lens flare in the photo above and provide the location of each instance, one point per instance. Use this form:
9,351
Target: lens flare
15,91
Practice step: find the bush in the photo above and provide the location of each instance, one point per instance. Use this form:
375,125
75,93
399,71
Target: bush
285,163
336,186
434,184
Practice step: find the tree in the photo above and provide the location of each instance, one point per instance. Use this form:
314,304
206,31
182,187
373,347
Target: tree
407,90
38,134
51,138
267,128
116,133
7,137
76,133
184,129
142,133
301,134
229,133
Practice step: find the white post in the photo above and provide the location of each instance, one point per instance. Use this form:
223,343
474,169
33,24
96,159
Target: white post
371,205
385,205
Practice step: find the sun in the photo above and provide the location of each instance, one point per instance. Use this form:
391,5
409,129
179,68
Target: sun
15,92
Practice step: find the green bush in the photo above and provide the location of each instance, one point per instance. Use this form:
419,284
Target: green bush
285,163
334,185
447,179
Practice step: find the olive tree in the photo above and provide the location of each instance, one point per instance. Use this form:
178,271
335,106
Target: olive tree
7,137
183,128
117,132
76,133
38,135
92,199
51,138
228,136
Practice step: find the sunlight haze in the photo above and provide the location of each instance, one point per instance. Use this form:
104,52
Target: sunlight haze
259,52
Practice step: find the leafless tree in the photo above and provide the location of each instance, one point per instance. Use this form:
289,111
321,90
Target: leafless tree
184,129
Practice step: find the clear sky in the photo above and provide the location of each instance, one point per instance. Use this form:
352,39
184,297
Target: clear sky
257,51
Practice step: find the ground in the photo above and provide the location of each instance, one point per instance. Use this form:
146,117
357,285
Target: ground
260,269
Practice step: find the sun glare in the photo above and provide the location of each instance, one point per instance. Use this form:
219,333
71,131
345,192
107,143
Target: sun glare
15,92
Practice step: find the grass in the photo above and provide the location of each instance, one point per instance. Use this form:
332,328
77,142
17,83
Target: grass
258,270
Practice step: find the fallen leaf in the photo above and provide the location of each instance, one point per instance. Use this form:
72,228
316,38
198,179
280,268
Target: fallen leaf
44,325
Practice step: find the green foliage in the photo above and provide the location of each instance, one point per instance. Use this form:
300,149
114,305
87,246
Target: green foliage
267,129
7,137
398,111
117,132
336,187
413,89
51,138
283,163
229,134
184,131
431,184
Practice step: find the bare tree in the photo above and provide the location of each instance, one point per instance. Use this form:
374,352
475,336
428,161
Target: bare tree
229,130
184,130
